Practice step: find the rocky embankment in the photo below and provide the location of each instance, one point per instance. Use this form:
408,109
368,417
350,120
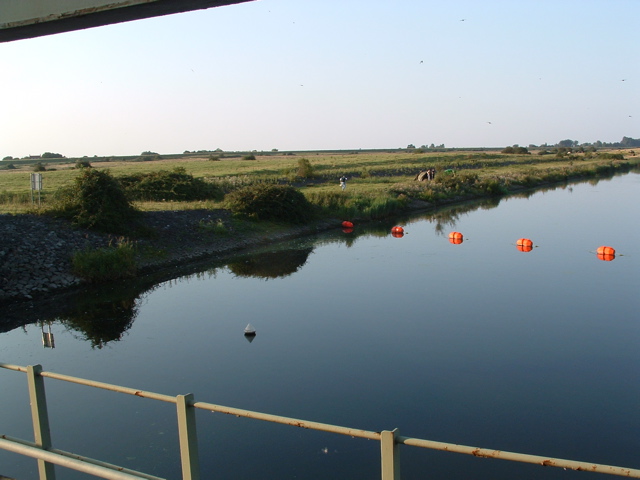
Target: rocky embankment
35,251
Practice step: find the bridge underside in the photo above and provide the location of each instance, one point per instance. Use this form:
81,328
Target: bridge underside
20,19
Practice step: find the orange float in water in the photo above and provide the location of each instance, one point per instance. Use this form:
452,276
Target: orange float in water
347,224
397,232
524,245
606,253
455,238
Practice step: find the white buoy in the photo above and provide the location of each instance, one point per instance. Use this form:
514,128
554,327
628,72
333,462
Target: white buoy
249,330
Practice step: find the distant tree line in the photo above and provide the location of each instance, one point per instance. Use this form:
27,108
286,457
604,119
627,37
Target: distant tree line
626,142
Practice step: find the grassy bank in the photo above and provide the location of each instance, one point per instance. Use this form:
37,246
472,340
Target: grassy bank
379,183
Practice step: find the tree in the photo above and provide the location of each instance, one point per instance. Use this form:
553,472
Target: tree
630,142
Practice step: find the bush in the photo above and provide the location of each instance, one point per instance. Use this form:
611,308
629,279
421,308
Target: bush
39,167
177,185
270,202
82,164
611,156
95,200
105,264
249,157
305,170
516,150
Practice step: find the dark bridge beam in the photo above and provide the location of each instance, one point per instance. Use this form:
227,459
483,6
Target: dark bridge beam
21,19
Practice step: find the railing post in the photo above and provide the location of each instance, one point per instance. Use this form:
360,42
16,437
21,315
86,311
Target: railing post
40,418
390,455
188,437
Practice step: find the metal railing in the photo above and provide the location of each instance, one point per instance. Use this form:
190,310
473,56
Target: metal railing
390,440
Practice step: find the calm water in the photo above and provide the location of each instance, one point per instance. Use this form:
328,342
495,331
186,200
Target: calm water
477,343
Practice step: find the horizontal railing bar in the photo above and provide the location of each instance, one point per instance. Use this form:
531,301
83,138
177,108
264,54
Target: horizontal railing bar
325,427
85,459
73,463
17,368
109,386
519,457
93,383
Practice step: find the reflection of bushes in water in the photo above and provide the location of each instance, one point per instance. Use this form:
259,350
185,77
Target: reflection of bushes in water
271,264
101,322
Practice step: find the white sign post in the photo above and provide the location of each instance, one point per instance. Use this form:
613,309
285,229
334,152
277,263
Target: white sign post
36,185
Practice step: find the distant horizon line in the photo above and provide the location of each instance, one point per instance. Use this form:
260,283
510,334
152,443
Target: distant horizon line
328,150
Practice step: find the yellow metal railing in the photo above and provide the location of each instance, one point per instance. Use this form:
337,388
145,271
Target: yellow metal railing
390,441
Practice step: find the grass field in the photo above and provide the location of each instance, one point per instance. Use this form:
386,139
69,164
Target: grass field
371,173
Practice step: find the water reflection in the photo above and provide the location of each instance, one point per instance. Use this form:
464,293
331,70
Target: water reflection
273,264
101,322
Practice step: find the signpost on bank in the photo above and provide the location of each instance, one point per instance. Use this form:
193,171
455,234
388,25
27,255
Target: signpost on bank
36,185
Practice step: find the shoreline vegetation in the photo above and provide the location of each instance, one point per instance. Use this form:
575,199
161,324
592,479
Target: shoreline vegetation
258,198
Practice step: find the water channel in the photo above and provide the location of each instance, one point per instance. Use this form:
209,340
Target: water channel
475,343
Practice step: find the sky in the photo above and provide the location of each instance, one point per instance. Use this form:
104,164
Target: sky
328,74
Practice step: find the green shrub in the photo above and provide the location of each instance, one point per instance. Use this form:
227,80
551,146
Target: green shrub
270,202
95,200
249,157
611,156
39,167
175,185
305,170
491,187
82,164
105,264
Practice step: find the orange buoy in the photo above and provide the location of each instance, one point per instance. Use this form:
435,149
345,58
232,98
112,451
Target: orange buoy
606,251
397,229
455,238
606,257
397,234
524,245
347,224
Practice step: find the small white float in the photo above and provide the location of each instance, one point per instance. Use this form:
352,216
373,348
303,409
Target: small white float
249,331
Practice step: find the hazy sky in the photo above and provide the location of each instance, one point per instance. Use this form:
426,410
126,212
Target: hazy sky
328,74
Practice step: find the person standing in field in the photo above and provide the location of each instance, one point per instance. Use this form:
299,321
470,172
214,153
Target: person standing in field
343,182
